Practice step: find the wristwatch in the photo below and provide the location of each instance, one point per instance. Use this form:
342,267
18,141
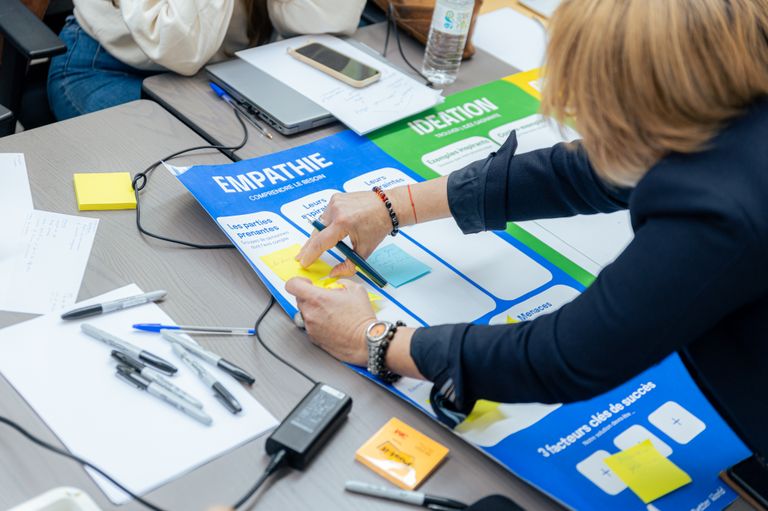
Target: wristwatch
378,335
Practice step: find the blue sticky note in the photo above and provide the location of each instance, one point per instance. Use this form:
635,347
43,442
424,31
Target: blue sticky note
397,266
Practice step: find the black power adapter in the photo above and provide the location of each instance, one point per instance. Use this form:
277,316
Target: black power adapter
309,425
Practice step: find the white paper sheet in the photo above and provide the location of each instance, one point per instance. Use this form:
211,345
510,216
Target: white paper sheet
68,379
591,241
15,202
516,39
393,97
544,7
44,271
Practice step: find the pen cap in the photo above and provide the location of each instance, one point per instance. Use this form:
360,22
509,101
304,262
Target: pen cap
127,360
129,375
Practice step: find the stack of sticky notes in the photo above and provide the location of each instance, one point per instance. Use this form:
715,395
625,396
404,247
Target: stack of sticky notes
647,472
401,454
104,190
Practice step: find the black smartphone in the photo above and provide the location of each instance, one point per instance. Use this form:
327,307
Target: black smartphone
750,479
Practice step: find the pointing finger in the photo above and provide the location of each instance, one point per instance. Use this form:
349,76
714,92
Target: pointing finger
318,243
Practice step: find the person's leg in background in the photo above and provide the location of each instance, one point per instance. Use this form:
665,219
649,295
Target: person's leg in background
87,78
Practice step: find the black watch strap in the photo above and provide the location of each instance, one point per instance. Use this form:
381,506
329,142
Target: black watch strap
385,374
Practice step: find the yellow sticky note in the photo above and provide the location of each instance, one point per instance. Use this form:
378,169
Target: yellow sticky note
283,262
332,284
482,416
104,190
647,473
529,81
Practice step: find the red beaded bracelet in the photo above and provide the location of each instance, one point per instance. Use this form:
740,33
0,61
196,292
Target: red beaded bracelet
392,215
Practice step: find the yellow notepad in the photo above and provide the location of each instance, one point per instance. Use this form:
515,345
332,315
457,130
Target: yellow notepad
647,473
104,190
401,454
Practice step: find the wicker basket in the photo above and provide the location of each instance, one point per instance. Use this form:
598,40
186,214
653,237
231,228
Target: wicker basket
415,18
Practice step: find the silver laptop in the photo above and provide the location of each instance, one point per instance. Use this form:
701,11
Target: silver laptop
544,7
280,106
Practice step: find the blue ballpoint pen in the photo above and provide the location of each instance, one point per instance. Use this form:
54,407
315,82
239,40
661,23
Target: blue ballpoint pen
234,104
191,329
361,263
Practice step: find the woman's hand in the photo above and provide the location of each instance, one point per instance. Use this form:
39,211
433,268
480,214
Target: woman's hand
361,216
335,319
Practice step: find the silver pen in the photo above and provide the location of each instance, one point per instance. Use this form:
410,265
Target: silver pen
219,391
209,356
152,375
114,305
409,497
130,376
114,341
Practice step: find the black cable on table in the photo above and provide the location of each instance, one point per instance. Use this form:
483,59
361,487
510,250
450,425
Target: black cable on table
141,179
392,25
275,463
271,352
45,445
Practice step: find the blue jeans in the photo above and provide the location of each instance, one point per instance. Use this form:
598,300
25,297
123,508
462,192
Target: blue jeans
87,78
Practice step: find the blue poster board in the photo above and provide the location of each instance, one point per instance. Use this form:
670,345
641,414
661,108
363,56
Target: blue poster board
264,206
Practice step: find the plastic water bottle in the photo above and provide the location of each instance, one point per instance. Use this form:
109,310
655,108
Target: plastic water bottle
447,37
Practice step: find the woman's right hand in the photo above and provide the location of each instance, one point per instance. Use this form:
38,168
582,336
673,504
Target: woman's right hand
360,215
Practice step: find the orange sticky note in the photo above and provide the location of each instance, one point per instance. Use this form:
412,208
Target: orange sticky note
647,472
401,454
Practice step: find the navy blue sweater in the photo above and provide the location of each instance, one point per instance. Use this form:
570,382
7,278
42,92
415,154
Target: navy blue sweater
693,280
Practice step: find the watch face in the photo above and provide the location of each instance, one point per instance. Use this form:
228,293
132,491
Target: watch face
378,330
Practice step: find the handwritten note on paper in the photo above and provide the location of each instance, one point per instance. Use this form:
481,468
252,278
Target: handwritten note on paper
647,473
283,262
397,265
44,274
393,97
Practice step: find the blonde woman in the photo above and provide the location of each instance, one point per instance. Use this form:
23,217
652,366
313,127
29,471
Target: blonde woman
670,98
112,45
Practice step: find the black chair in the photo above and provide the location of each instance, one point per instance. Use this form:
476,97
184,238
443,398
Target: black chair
28,45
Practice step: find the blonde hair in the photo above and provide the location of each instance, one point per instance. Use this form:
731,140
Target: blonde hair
645,78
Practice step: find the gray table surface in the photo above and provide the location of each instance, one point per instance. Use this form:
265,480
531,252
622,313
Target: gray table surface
192,100
207,287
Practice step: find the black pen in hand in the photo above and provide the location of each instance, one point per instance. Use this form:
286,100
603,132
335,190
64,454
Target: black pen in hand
356,258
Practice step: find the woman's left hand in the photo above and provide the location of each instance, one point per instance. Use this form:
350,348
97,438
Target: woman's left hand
335,319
